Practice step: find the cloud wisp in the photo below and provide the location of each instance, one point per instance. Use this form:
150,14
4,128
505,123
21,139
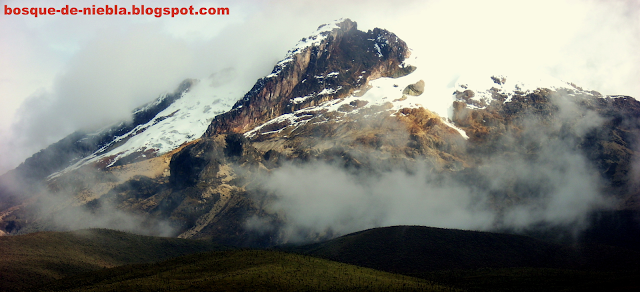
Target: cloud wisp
66,204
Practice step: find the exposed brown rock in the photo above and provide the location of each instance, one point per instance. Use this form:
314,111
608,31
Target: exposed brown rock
610,147
346,51
415,89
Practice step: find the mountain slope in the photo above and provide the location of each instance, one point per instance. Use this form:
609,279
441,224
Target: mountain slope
80,144
34,259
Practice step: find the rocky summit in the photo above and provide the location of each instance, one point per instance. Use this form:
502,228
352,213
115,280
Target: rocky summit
509,153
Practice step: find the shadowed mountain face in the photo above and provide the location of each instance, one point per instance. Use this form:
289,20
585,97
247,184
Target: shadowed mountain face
340,138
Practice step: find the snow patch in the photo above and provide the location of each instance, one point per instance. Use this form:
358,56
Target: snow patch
378,50
298,100
510,85
313,40
329,91
450,124
185,120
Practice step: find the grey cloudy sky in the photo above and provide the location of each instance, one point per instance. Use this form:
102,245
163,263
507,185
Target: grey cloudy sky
63,73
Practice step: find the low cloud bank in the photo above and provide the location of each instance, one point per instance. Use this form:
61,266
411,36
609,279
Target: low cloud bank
539,177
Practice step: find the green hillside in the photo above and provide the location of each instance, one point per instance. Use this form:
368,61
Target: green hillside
37,258
483,261
415,249
380,259
243,270
537,279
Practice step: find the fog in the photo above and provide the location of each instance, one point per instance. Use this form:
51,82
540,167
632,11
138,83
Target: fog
320,198
59,211
72,203
536,176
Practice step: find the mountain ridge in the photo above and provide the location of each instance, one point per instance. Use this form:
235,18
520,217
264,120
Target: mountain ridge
317,65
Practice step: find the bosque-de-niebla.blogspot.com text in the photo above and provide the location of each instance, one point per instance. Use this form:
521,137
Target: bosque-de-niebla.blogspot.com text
116,10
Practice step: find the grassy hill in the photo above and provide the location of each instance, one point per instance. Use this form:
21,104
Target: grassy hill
408,249
439,259
243,270
33,259
537,279
481,260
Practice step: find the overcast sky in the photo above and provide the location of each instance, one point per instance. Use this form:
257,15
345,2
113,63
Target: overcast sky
60,73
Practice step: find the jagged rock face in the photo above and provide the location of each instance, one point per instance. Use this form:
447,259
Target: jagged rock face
200,162
339,64
207,198
203,197
194,163
415,89
354,140
603,129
